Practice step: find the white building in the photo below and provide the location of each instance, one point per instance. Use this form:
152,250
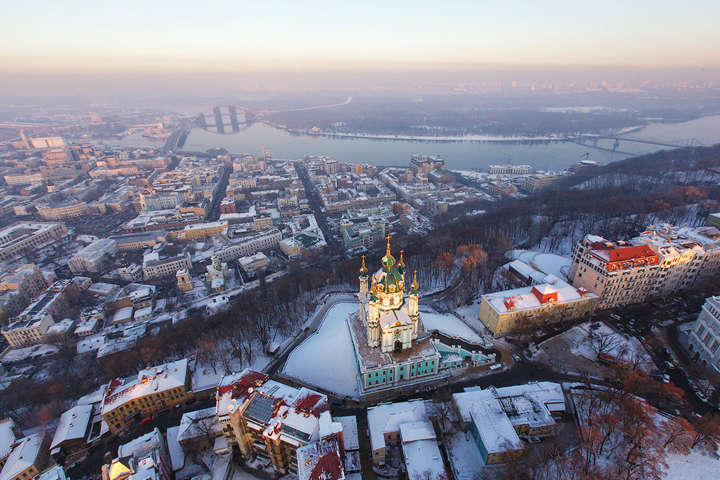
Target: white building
22,236
704,337
253,263
94,257
384,423
156,267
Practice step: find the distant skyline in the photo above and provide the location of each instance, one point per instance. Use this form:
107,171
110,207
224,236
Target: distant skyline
49,37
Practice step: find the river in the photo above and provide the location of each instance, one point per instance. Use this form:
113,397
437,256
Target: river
458,155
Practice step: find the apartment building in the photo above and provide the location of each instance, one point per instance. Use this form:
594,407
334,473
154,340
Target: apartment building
140,240
249,244
660,261
23,236
94,257
498,418
270,421
200,231
59,211
153,390
26,280
31,325
618,273
156,267
510,169
703,339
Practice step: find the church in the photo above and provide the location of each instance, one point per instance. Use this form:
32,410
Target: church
391,345
392,322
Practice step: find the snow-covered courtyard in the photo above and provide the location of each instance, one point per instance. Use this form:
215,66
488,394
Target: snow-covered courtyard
548,263
449,325
327,359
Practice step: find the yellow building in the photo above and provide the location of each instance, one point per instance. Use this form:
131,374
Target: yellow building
154,390
27,459
198,231
529,308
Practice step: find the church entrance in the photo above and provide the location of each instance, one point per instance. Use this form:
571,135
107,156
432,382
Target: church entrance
398,346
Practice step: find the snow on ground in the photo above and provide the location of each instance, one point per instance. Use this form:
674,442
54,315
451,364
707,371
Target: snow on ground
326,359
464,456
449,325
205,377
548,263
695,466
622,347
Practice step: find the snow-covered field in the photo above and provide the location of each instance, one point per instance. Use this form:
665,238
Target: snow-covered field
548,263
695,466
606,340
449,325
327,358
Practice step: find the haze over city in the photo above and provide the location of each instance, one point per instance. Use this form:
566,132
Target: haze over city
403,240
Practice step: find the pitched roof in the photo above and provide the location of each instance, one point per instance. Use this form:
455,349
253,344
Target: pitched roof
22,456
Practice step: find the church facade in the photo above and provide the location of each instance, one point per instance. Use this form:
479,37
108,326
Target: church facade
391,345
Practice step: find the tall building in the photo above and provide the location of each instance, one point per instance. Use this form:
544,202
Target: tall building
387,326
23,236
618,273
392,325
660,261
703,340
25,280
271,421
93,258
184,282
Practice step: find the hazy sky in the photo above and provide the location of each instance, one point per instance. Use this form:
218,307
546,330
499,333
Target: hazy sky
153,35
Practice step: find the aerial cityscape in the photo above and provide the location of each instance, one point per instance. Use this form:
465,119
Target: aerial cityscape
372,240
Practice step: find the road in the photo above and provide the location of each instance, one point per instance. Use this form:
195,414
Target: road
347,101
213,212
314,201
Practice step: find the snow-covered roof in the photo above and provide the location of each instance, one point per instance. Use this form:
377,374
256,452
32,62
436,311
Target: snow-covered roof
549,394
73,424
388,417
93,397
350,432
189,424
22,457
421,451
413,431
142,444
150,380
525,270
7,436
493,425
524,298
393,317
123,315
319,461
55,473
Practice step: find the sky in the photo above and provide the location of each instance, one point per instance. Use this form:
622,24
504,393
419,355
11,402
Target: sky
100,37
